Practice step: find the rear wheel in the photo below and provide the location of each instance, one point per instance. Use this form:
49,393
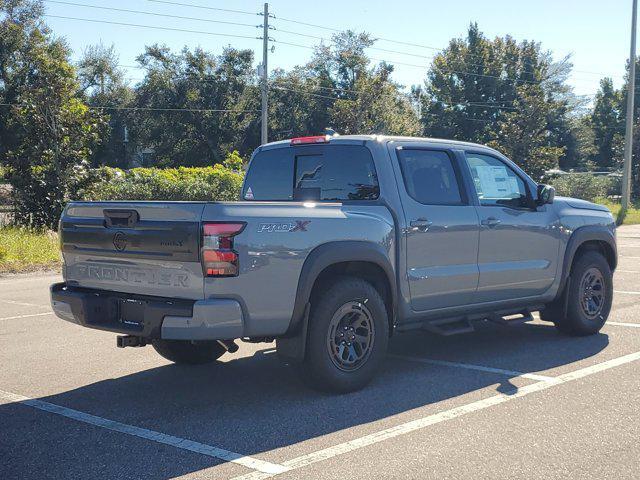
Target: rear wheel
187,352
347,337
589,297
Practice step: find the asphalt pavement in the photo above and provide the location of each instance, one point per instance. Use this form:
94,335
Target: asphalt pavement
503,402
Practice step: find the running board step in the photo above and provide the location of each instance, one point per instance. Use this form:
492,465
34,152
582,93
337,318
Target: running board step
448,326
509,320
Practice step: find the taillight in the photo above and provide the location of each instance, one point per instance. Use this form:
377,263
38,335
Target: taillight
219,259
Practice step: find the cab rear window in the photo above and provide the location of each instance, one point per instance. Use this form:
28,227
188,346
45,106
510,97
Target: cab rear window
315,172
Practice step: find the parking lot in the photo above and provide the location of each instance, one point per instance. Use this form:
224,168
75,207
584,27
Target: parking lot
504,402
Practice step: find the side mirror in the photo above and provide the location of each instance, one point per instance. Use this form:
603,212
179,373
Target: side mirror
546,194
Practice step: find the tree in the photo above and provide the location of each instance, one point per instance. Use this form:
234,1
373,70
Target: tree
338,89
192,91
378,107
608,126
521,134
48,130
510,95
19,23
299,103
102,84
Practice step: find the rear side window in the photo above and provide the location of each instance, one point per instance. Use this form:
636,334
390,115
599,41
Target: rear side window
270,176
327,172
429,177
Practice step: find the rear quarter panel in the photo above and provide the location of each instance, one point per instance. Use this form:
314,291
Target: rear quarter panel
274,245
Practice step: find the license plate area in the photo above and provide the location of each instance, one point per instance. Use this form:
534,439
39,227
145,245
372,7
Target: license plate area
131,313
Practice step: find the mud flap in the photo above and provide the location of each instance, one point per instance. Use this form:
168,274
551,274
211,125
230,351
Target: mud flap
293,347
558,308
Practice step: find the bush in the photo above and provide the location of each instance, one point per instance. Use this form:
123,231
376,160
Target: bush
586,186
220,182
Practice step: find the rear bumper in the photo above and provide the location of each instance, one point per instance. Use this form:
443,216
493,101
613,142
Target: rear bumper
147,316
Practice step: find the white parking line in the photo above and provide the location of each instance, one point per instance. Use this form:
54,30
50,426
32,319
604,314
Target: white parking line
23,304
27,315
412,426
30,278
481,368
626,292
182,443
627,271
623,324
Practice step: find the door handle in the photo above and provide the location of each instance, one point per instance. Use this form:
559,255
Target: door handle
490,222
420,225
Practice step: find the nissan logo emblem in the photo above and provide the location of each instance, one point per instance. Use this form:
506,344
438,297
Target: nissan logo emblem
120,241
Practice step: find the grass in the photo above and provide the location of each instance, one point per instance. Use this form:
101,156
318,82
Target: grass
633,213
23,250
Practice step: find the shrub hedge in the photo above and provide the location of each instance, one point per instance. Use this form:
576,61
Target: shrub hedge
586,186
219,182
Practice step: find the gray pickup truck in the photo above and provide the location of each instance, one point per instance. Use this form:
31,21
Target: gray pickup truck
338,243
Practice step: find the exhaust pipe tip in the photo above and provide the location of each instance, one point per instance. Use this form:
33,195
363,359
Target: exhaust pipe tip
229,345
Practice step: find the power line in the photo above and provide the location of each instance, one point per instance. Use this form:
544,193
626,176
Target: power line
426,66
465,119
249,25
398,52
250,37
290,20
361,92
390,40
277,87
409,44
289,32
295,45
153,109
151,27
335,89
279,30
192,110
191,5
141,12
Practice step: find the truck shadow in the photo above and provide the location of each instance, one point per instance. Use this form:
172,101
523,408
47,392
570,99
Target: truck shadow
255,404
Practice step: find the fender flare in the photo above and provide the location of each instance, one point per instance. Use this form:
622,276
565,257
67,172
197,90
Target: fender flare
581,235
329,254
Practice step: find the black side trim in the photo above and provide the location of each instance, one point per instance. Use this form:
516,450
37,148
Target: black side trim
580,236
338,252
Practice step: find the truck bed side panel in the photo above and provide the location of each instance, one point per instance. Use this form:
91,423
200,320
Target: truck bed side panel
275,244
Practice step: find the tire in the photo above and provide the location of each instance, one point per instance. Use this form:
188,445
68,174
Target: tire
335,360
187,352
584,316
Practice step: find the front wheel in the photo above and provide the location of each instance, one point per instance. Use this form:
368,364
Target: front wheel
590,296
187,352
347,337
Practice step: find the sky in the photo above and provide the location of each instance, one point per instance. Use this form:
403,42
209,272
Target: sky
595,33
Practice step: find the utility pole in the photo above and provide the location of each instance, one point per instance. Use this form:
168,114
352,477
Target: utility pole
628,138
265,74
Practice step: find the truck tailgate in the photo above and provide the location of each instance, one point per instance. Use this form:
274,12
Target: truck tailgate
147,248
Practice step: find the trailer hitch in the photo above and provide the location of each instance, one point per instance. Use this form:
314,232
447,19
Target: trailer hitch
130,341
